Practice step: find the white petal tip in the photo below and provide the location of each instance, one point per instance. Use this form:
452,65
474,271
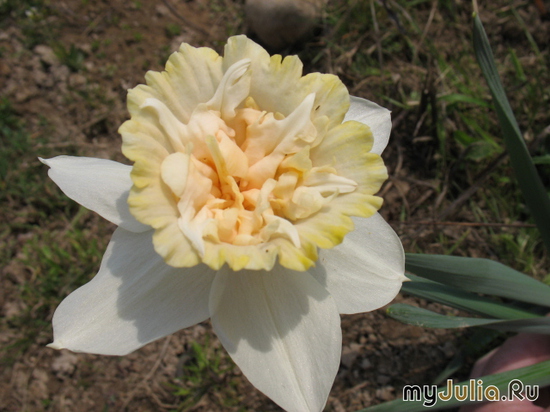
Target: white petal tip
239,69
55,345
44,161
405,279
244,62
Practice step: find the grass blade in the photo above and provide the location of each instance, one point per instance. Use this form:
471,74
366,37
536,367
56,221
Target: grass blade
531,186
454,98
479,276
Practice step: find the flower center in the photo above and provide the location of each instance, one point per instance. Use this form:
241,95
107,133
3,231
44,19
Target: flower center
246,163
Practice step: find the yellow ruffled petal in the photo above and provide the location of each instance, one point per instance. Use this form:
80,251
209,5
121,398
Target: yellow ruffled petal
331,96
191,77
254,257
328,228
299,259
274,77
347,148
170,242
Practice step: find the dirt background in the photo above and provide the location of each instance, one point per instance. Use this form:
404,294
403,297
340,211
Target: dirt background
79,102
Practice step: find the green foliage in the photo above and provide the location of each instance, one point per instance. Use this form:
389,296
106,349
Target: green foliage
438,80
479,276
521,249
463,299
21,174
529,181
457,281
426,318
58,262
60,266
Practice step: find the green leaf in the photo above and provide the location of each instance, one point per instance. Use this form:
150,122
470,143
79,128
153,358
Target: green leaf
463,300
529,181
479,276
538,374
413,315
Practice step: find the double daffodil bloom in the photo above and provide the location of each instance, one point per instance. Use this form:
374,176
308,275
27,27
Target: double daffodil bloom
251,201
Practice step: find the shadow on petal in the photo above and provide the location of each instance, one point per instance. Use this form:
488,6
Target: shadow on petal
261,307
127,220
154,298
134,299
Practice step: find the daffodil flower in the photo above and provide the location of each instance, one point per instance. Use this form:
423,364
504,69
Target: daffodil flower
251,201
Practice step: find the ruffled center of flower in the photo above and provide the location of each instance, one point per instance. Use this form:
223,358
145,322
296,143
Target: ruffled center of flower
240,175
234,166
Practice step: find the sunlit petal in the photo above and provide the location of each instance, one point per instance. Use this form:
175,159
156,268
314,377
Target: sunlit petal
98,184
365,272
283,330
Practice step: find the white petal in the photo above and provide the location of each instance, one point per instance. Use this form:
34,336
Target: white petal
97,184
134,299
376,117
366,270
283,330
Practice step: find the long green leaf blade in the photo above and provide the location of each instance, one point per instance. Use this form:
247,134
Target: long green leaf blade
531,186
538,374
463,300
413,315
479,276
